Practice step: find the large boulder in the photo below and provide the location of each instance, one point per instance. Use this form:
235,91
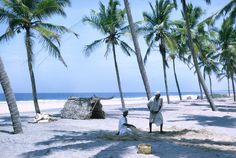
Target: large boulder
83,108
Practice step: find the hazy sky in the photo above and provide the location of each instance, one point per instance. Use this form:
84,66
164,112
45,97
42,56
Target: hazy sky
95,73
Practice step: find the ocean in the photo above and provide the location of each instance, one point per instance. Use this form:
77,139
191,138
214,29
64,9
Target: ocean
64,96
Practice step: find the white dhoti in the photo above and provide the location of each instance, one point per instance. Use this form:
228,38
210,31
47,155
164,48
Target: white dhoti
156,118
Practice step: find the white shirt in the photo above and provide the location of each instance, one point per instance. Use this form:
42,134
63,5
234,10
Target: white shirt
122,128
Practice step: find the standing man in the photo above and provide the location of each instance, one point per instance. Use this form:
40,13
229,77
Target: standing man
155,105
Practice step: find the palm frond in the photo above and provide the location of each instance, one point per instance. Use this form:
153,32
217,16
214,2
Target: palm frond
89,48
48,33
52,49
4,14
108,49
170,42
95,22
7,35
57,28
149,37
150,46
46,8
126,48
148,18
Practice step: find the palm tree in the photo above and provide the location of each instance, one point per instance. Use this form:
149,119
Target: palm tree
173,57
208,60
230,9
157,27
221,75
10,98
228,55
194,55
137,50
110,22
27,16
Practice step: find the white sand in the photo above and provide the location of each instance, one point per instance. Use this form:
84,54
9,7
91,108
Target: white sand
192,130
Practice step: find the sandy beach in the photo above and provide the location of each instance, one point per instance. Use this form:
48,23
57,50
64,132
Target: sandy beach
191,130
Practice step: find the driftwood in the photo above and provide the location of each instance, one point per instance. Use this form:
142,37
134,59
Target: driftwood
83,108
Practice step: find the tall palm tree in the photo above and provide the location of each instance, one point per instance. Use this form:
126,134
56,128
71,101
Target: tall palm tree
10,98
221,75
228,54
210,64
194,55
173,57
137,50
157,27
110,22
27,16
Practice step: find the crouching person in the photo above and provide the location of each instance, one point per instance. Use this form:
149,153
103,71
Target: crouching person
125,128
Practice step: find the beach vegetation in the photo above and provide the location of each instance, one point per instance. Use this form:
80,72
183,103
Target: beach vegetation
158,35
28,16
137,50
110,21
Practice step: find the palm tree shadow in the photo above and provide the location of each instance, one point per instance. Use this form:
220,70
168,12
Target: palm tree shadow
221,107
6,123
225,121
117,148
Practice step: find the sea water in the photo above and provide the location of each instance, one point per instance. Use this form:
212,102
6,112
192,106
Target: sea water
64,96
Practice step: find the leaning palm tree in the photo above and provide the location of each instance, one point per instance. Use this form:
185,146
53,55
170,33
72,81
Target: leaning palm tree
194,55
10,98
110,22
137,50
157,28
28,16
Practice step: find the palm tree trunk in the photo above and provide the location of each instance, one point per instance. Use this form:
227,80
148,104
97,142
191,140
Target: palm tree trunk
118,76
138,51
210,82
190,44
228,86
232,79
28,45
11,100
163,55
200,88
176,80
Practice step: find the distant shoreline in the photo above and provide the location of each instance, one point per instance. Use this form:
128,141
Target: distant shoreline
64,96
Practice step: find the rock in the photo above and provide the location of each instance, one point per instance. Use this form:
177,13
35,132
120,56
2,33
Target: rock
82,108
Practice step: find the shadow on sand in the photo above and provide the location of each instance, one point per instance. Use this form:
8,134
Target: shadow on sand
164,146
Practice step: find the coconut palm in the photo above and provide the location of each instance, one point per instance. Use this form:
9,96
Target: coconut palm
137,50
28,16
10,98
228,49
110,22
173,57
194,54
221,75
229,9
208,61
157,28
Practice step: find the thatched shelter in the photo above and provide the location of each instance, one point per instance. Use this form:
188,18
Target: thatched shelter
83,108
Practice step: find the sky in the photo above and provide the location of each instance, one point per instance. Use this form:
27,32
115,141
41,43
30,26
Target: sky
95,73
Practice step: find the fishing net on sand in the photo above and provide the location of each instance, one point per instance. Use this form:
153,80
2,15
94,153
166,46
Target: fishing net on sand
135,135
